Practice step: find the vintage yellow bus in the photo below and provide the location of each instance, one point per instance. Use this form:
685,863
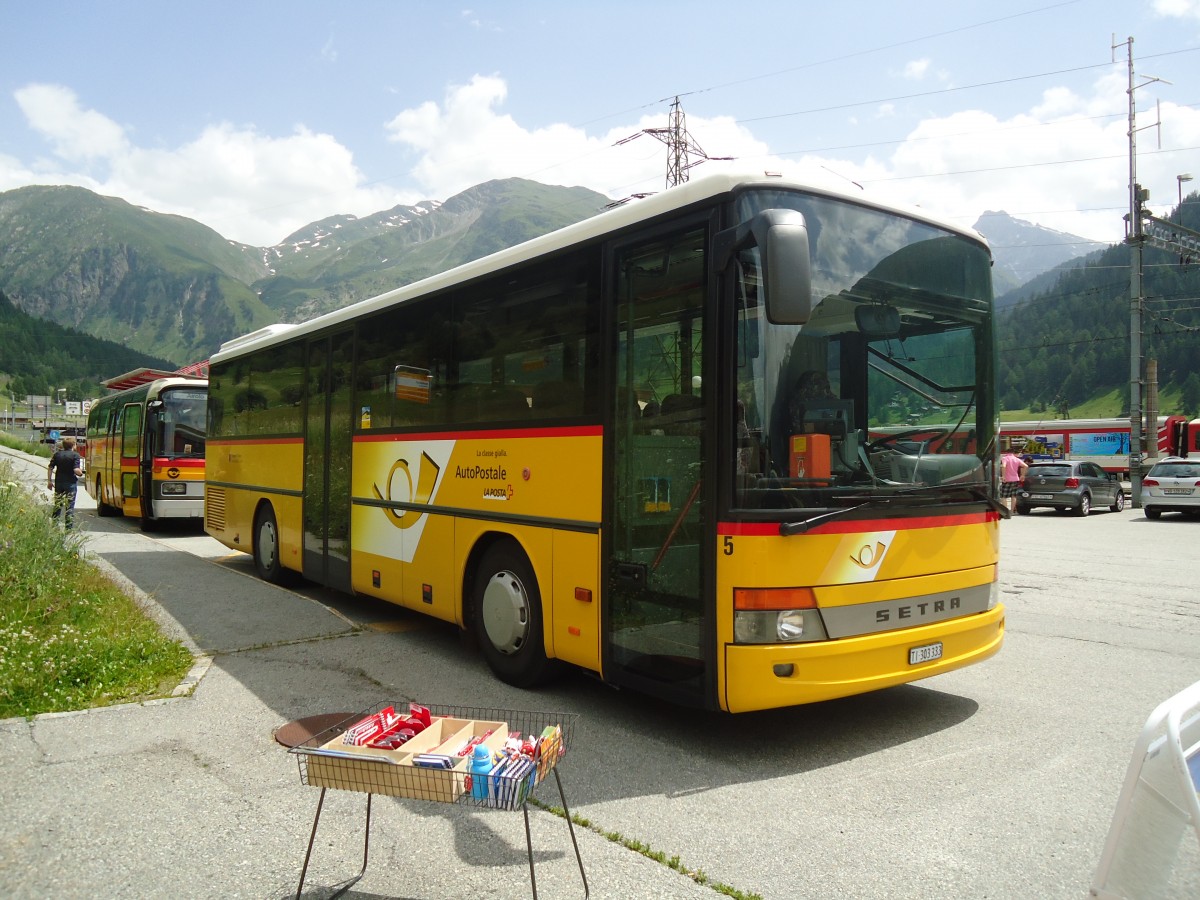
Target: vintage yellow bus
655,445
145,449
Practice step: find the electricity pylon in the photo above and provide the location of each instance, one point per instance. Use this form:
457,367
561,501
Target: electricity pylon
683,153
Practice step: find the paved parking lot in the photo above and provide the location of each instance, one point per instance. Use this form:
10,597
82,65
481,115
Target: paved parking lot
995,781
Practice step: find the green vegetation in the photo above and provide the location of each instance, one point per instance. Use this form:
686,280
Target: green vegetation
69,638
658,856
41,356
1065,347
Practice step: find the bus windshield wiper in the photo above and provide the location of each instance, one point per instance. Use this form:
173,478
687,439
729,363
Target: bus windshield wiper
789,528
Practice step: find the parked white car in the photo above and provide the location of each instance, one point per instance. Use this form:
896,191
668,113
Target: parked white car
1172,485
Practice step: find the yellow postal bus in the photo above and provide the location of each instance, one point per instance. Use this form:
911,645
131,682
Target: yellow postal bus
660,445
145,448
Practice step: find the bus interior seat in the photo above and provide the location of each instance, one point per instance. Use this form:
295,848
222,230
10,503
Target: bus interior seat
681,414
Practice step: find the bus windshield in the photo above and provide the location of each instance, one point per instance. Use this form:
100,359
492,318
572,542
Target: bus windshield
883,391
179,425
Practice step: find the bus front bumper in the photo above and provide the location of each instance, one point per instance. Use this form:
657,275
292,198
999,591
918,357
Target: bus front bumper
770,676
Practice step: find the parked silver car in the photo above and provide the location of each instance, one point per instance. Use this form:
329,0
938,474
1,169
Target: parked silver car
1070,485
1172,485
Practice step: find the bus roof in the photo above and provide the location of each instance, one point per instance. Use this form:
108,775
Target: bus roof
136,377
611,220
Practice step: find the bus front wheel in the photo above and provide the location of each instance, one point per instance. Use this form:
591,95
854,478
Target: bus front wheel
507,613
266,546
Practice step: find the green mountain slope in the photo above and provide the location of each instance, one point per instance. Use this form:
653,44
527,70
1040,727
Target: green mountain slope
1066,343
166,285
340,261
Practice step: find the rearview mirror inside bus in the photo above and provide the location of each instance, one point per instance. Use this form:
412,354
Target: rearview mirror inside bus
877,321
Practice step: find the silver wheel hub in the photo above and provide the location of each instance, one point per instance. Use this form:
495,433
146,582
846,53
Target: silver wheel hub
266,544
505,612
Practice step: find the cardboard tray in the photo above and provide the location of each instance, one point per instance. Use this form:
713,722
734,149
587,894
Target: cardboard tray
326,761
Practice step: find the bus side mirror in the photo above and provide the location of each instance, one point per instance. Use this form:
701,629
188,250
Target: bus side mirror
781,237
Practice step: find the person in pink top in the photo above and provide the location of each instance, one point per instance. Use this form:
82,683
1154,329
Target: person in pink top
1014,469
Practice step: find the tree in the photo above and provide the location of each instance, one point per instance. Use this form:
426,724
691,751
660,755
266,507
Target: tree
1189,395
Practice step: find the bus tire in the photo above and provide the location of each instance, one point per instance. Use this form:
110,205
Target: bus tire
507,617
102,508
266,545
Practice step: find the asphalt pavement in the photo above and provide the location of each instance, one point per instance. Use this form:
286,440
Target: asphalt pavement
193,797
995,781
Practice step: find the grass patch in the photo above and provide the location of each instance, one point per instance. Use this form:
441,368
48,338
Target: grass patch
69,638
38,449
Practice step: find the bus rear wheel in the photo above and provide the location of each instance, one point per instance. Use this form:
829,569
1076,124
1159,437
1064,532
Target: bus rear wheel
507,617
266,546
102,508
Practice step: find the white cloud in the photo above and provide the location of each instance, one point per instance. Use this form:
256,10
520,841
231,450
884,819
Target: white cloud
329,50
915,70
465,140
248,186
1186,9
77,135
1063,163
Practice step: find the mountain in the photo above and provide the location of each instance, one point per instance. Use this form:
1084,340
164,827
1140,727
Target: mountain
170,286
1023,251
338,261
161,284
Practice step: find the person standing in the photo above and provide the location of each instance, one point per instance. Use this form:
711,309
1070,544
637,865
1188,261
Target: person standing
63,474
1013,470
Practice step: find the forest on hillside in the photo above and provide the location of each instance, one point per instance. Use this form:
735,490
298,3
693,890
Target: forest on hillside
41,357
1069,343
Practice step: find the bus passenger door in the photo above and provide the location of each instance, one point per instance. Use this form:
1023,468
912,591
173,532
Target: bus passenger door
327,445
657,625
131,455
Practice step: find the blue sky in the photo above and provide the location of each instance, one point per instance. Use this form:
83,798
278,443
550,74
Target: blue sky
257,118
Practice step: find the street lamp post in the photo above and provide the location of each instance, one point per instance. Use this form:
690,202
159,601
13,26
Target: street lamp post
1180,179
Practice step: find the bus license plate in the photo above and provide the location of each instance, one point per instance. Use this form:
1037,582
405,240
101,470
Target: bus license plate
928,653
1041,497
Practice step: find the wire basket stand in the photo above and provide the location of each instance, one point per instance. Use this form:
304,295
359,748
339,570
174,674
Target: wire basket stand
434,765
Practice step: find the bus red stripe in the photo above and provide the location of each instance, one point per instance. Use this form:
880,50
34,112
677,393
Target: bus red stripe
769,529
228,442
498,434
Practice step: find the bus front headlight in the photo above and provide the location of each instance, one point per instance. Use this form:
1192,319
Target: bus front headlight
770,616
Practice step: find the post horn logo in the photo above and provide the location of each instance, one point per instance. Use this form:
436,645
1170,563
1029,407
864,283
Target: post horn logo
406,518
869,557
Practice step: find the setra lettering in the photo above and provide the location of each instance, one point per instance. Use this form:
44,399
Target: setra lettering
917,610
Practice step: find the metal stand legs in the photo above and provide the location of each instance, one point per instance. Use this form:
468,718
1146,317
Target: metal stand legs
312,837
570,827
342,888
